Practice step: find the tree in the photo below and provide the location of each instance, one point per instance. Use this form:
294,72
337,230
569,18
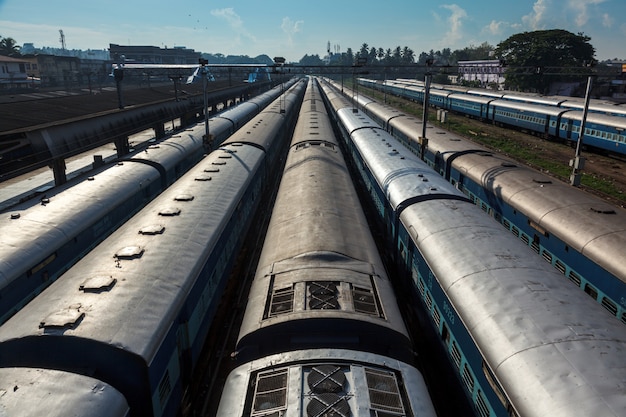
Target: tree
536,59
8,47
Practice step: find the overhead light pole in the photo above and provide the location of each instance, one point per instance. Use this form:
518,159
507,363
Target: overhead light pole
279,61
578,163
204,71
423,140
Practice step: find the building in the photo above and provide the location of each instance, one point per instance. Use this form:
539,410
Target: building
489,73
14,72
153,54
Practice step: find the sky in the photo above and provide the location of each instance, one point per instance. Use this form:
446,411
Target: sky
292,29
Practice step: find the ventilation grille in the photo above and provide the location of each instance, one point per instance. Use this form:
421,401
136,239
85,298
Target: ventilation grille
323,295
270,394
384,392
329,398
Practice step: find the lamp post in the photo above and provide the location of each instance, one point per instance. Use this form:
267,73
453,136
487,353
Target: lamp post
422,140
360,61
204,71
578,163
279,61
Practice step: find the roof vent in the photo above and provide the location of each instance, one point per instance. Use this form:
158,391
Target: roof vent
169,211
64,319
98,283
129,252
153,229
183,197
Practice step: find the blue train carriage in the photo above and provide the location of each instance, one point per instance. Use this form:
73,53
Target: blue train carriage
477,107
543,213
527,355
41,239
578,234
135,311
544,120
601,131
32,392
325,382
136,308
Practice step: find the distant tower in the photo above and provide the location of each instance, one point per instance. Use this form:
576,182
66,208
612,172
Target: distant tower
62,39
328,47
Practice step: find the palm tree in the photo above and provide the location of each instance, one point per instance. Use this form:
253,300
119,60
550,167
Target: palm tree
8,47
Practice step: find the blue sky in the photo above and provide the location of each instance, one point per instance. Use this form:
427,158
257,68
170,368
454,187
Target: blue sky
293,28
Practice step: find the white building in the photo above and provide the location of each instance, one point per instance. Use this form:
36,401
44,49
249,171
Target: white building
489,72
13,72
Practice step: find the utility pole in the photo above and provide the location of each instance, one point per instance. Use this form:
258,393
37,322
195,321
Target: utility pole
578,163
423,140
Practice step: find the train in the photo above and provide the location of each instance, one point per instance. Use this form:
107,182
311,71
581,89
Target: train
603,131
322,334
579,234
523,341
43,237
134,312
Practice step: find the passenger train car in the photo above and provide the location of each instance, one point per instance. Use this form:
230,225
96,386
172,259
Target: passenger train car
42,238
27,392
523,341
579,234
322,333
135,311
606,132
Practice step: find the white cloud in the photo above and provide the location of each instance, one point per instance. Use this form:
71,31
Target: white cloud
581,7
607,20
291,28
496,28
234,20
535,19
455,23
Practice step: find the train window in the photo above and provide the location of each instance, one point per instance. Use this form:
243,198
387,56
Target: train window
420,286
456,355
575,278
591,291
165,388
624,317
609,305
506,223
384,393
560,266
281,301
525,239
515,231
429,301
364,301
436,317
468,378
535,244
481,405
547,256
270,392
